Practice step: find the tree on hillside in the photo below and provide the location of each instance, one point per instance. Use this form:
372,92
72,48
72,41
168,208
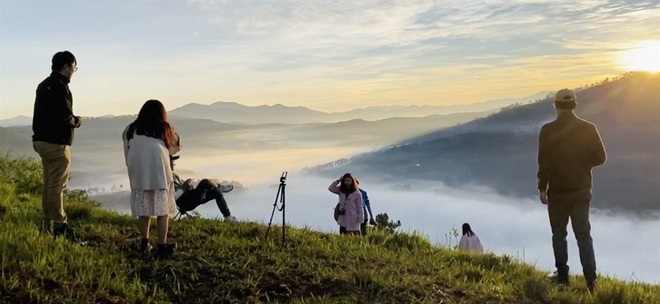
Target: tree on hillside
383,223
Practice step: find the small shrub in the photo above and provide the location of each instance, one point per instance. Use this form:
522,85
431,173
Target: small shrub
76,195
24,173
383,223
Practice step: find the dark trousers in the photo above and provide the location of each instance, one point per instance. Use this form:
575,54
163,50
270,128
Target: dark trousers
575,206
363,227
203,193
342,230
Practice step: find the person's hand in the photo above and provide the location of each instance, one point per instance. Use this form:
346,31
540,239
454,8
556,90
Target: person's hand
543,196
188,184
80,120
372,222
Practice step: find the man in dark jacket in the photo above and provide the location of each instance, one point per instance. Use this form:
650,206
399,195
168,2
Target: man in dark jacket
569,147
52,124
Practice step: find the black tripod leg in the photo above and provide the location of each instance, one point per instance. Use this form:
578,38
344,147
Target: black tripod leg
283,185
273,212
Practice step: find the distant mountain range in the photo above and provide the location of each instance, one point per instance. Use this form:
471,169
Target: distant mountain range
97,144
104,133
235,113
232,112
499,151
20,120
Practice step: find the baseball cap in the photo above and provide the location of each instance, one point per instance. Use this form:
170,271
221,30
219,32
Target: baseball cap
565,95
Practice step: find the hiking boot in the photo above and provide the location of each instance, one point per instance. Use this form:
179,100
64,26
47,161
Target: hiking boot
145,246
561,279
592,286
231,219
165,251
63,230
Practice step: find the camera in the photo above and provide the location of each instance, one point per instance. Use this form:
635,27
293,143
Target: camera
172,159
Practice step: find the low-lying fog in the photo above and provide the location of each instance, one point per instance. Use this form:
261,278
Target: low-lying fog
626,248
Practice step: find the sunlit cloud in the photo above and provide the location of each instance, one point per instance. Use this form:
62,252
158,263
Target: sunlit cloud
320,54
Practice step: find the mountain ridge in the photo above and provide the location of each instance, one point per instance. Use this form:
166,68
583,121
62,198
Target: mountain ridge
499,151
237,113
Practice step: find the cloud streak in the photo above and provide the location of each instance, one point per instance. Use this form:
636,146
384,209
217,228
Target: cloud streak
320,54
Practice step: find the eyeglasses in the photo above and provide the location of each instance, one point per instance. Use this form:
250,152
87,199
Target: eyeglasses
74,68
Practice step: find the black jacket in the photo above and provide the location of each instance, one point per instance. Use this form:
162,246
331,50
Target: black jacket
53,120
569,148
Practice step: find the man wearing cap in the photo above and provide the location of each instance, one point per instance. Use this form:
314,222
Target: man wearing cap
53,123
569,147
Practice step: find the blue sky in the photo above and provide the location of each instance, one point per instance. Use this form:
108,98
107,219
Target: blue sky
326,55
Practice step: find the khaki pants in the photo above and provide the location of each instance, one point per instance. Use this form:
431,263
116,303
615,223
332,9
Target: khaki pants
55,160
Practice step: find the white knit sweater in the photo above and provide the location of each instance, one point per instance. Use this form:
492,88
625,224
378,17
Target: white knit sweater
148,162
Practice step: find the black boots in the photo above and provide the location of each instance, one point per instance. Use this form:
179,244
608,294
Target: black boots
145,246
592,285
165,251
63,230
559,277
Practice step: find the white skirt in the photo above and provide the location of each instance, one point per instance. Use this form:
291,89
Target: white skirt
153,202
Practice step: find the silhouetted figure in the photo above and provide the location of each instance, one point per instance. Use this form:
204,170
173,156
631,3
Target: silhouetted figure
569,147
469,240
53,123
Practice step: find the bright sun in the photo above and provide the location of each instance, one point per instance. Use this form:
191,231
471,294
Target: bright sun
644,56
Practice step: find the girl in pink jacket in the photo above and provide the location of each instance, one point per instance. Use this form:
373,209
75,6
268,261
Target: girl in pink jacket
351,212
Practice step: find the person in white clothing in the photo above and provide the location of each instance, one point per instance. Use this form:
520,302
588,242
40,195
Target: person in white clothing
470,241
149,141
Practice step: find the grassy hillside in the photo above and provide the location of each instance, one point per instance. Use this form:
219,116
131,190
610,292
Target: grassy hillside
217,262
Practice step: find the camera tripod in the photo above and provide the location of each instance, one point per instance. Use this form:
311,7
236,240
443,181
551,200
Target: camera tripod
282,201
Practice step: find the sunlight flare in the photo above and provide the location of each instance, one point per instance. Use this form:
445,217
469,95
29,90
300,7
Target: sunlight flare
644,56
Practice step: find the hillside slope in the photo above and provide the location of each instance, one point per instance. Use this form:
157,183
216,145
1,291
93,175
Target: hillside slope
499,151
218,262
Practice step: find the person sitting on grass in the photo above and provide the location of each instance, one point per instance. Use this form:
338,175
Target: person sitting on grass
189,196
470,241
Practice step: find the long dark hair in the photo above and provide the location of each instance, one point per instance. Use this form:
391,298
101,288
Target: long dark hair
467,230
348,189
152,122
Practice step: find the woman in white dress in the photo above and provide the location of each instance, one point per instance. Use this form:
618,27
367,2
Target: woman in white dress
470,241
149,141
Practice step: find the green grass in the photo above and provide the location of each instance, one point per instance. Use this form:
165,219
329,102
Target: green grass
218,262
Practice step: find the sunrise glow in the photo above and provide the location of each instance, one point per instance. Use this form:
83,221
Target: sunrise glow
645,56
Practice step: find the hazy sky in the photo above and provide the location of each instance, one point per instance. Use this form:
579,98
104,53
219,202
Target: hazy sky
327,55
